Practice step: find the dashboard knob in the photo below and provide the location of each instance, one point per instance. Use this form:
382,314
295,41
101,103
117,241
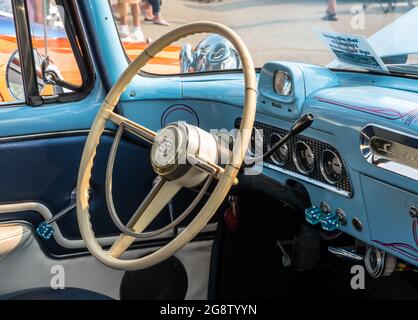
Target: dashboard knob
330,222
313,215
413,212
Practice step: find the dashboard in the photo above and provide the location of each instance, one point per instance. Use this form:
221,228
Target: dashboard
358,161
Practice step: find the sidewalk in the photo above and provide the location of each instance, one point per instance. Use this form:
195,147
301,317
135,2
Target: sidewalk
274,29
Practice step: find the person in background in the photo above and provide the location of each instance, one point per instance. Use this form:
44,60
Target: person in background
146,9
137,34
157,18
331,13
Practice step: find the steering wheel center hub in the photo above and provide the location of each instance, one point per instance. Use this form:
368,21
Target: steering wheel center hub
169,149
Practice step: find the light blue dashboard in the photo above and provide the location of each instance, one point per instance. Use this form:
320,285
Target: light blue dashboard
378,207
343,105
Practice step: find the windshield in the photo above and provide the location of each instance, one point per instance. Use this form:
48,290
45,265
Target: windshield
272,29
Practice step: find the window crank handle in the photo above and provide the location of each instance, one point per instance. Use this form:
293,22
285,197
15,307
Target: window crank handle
45,229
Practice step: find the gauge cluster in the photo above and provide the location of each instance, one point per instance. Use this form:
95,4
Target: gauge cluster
305,158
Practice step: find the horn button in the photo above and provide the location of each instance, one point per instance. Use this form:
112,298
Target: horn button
173,144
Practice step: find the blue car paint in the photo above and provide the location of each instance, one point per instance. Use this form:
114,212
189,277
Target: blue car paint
57,117
217,100
20,120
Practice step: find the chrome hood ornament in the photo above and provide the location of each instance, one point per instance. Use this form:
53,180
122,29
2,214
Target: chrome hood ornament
214,53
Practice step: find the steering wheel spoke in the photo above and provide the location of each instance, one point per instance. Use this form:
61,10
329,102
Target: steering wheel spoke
209,167
158,198
133,127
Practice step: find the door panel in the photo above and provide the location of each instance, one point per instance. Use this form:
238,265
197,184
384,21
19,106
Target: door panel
27,266
39,174
44,169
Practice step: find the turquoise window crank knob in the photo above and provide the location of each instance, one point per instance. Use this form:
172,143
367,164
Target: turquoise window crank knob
313,215
45,230
330,222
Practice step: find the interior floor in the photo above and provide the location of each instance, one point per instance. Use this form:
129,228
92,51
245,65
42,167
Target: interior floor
251,266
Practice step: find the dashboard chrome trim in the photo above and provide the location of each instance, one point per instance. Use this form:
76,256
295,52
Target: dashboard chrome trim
274,157
309,180
402,160
345,188
296,160
46,214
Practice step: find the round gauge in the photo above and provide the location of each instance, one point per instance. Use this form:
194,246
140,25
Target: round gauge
280,156
256,143
304,158
331,167
283,83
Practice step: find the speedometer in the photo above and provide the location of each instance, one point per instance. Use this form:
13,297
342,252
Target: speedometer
280,156
331,167
304,158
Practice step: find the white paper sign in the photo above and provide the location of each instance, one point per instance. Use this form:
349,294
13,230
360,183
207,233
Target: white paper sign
353,50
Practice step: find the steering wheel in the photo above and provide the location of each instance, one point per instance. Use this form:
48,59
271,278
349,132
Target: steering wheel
182,155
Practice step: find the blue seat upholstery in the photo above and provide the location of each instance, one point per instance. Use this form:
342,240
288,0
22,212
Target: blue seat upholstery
50,294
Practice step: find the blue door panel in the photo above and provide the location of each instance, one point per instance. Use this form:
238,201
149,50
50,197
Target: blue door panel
45,170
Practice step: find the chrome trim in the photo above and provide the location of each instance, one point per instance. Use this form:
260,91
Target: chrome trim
283,83
295,158
74,244
413,212
309,180
321,166
257,137
404,142
350,255
325,207
213,53
342,217
274,157
49,135
375,266
357,224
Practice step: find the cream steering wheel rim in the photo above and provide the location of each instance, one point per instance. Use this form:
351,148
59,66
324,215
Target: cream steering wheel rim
226,178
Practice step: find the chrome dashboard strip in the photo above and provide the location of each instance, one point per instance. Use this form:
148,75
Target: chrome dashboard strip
309,180
48,135
391,150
